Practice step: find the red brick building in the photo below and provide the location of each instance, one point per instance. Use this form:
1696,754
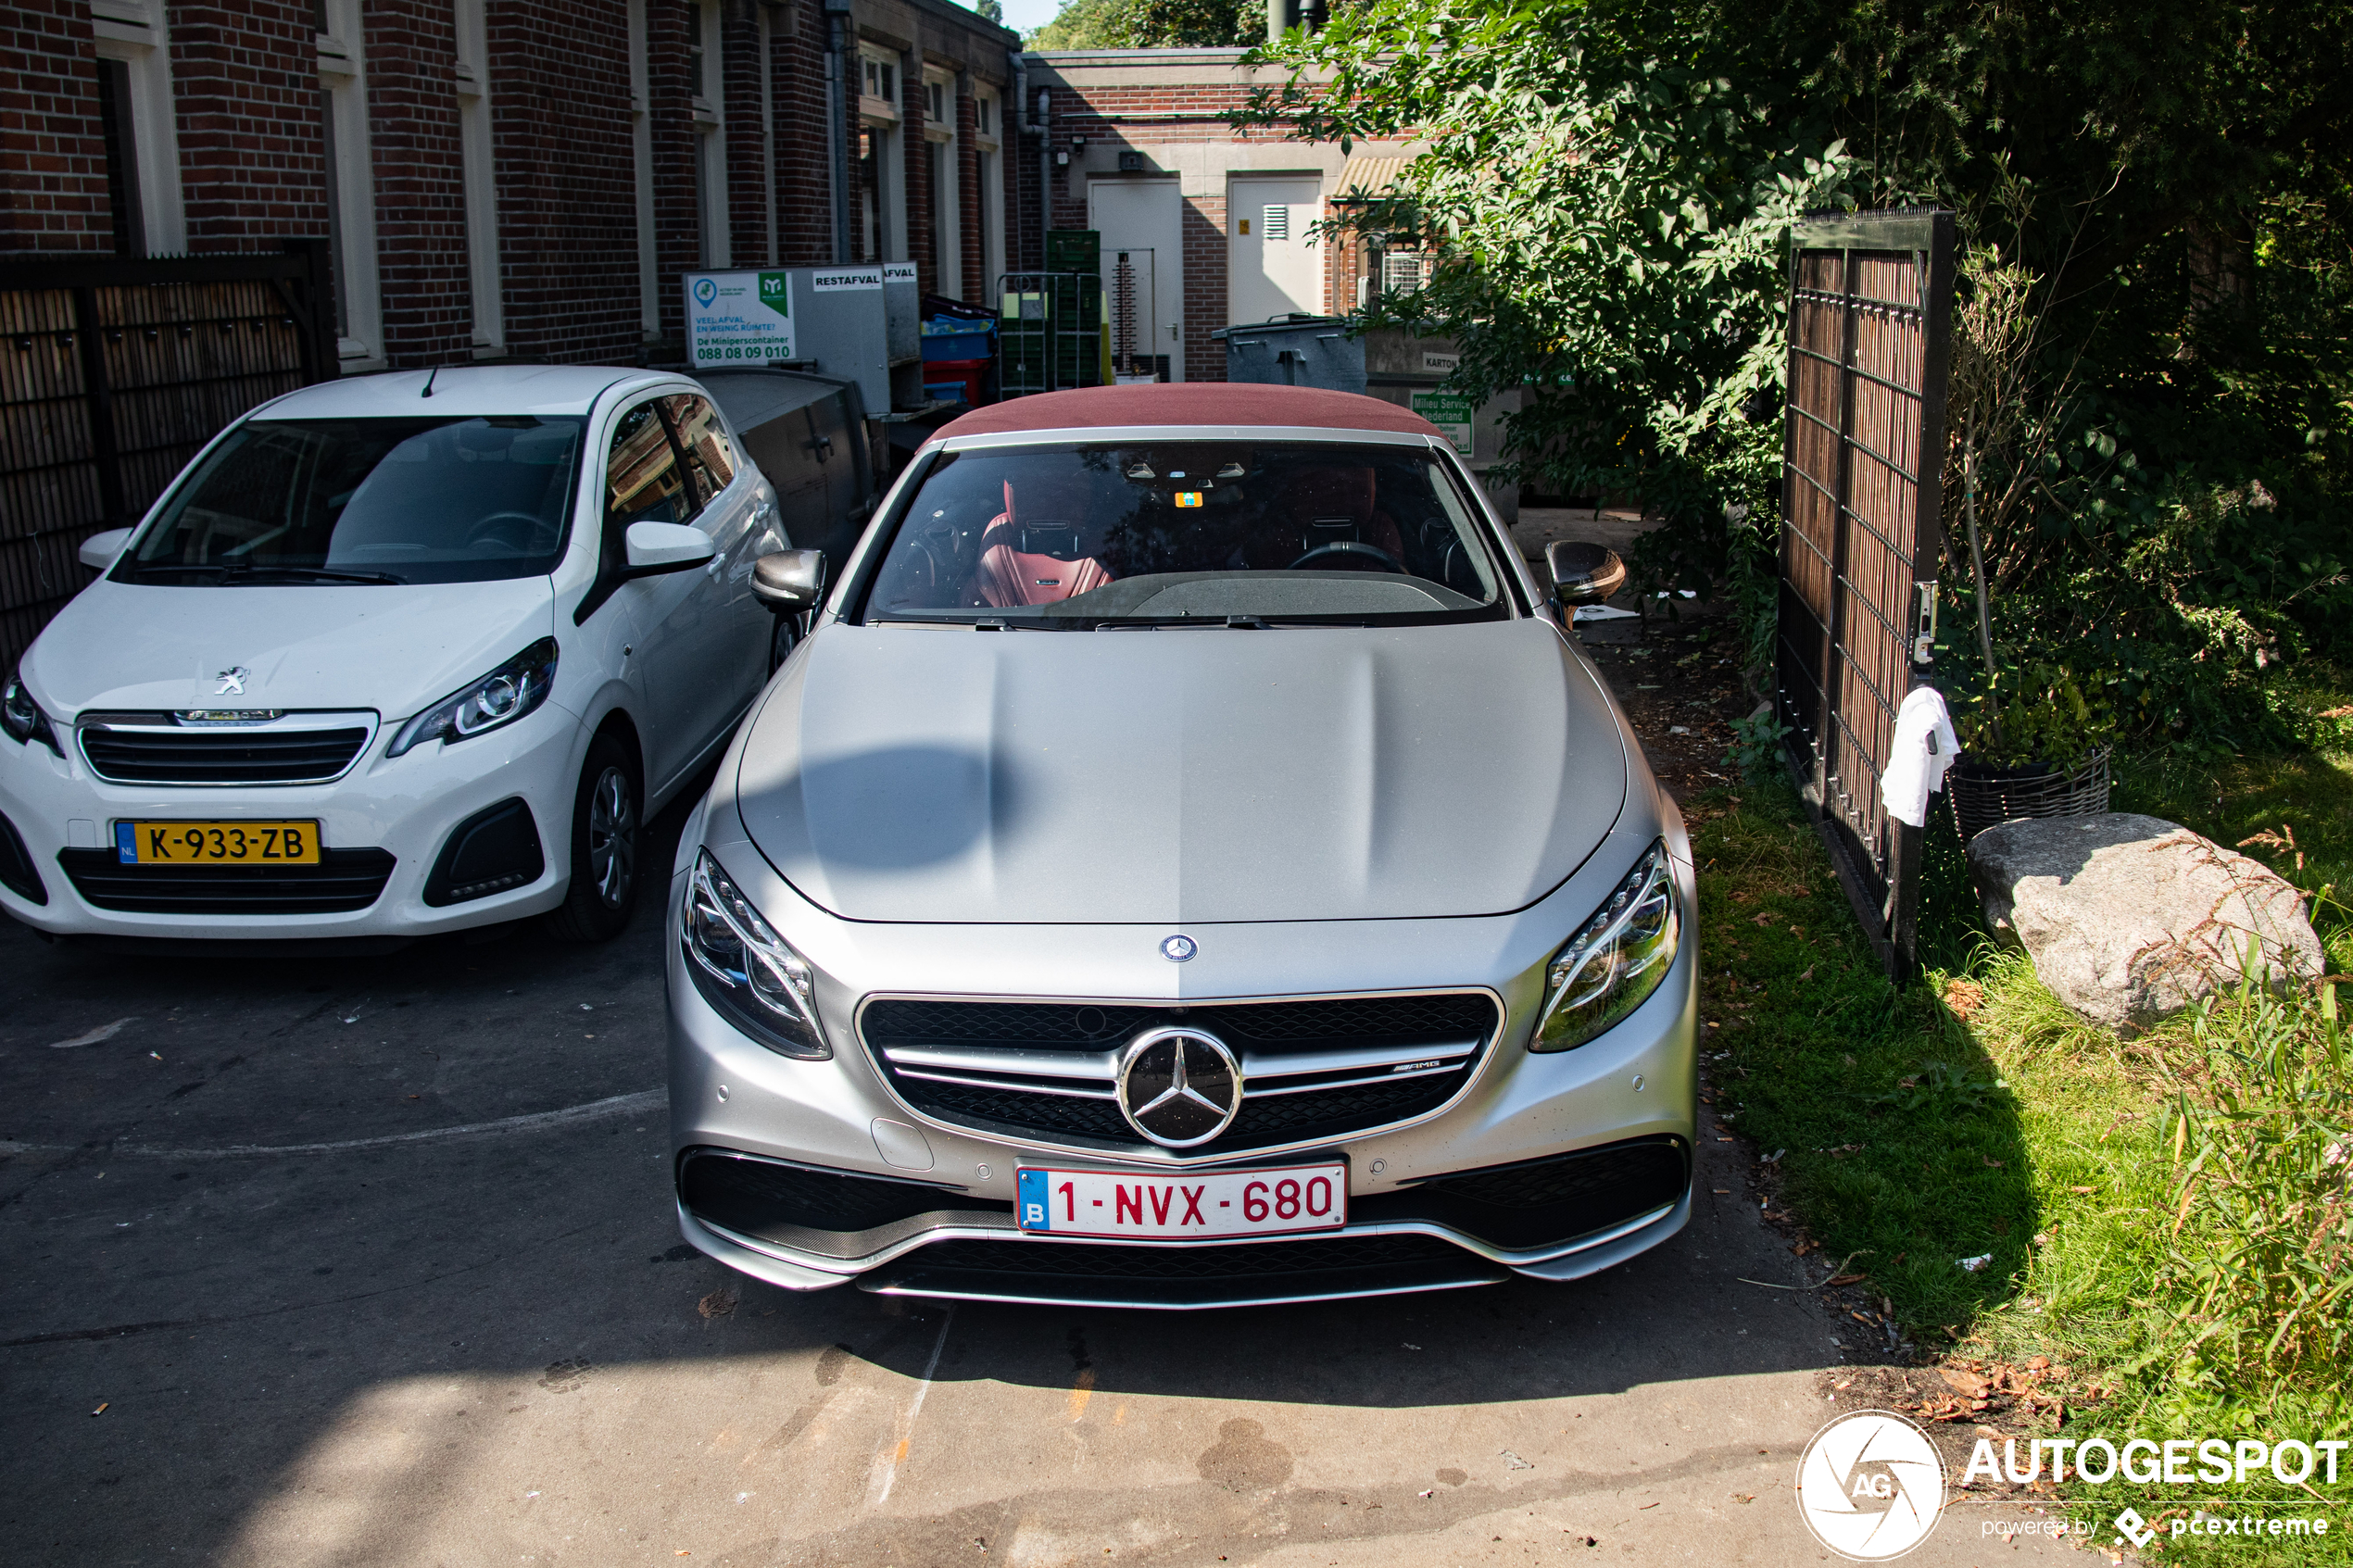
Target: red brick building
517,179
1139,148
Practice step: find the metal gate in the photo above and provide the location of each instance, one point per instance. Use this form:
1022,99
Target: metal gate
1870,310
113,373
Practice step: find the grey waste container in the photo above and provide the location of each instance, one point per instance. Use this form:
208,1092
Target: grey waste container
808,435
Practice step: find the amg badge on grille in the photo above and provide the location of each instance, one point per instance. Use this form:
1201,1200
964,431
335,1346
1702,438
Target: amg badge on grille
1179,1087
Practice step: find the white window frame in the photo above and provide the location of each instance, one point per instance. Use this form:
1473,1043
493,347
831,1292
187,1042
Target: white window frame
880,117
988,110
711,138
641,148
478,165
136,32
343,74
946,196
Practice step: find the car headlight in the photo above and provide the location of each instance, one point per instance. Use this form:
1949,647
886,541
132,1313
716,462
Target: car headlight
22,718
744,970
500,697
1616,960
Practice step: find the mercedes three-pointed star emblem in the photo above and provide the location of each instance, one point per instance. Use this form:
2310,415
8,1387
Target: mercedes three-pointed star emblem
1179,1087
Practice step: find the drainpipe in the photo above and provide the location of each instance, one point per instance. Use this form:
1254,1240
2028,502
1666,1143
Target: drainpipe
1018,64
837,88
1045,171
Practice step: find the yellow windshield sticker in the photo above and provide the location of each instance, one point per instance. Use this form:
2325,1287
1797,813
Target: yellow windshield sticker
1188,497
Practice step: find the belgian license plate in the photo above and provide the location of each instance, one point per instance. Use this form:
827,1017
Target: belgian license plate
1211,1203
216,844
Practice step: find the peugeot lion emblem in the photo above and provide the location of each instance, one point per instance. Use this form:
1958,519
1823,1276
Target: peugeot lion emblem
1176,949
1179,1087
232,681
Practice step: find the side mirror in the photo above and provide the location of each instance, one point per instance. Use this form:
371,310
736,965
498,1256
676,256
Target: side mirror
1583,574
99,550
788,581
657,547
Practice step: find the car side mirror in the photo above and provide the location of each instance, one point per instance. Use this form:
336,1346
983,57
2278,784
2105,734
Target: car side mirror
99,550
1583,574
658,547
788,581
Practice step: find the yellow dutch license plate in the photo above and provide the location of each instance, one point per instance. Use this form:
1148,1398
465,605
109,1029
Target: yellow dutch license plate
216,844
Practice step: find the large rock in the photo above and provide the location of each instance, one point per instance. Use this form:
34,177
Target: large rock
2130,919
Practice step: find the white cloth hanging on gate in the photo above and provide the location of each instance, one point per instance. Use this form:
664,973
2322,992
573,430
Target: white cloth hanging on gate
1925,745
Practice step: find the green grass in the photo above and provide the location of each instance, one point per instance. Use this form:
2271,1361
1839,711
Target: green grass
1971,1113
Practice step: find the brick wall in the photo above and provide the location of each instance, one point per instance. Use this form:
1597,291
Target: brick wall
252,145
567,185
52,160
748,193
420,197
250,123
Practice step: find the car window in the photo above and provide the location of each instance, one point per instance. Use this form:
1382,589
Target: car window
710,462
1168,533
408,500
642,481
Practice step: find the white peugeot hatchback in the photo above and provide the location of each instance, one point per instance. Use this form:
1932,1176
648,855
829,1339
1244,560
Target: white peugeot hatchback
394,656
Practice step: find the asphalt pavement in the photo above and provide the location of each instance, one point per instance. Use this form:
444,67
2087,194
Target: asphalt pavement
342,1261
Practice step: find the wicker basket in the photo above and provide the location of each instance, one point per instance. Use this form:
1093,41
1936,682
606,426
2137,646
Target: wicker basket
1984,796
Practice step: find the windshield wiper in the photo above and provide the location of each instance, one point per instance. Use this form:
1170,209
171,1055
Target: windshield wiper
240,574
314,574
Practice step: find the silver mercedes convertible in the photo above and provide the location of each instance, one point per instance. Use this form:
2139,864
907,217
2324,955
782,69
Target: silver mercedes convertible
1187,862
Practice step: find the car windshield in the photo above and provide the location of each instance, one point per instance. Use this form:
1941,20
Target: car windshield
408,500
1181,533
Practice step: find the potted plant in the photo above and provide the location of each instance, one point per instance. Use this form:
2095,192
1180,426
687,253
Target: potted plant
2033,743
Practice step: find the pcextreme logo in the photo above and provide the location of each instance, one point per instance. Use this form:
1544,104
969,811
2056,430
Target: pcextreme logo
1870,1486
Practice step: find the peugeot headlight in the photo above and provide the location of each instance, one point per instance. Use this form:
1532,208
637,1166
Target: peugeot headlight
500,697
1616,960
22,718
743,969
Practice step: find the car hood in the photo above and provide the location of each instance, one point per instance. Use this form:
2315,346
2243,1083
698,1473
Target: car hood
1182,776
124,646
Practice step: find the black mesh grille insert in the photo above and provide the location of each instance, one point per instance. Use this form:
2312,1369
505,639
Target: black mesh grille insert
760,1197
1264,1029
1538,1202
343,881
17,873
224,756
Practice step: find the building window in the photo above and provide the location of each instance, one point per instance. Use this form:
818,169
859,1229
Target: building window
943,192
123,156
711,139
138,122
351,186
991,169
880,170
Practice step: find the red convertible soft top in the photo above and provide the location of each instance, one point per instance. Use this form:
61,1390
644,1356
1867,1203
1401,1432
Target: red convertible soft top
1190,403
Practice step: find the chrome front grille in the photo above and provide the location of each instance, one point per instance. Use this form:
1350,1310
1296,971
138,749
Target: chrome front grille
1313,1071
167,749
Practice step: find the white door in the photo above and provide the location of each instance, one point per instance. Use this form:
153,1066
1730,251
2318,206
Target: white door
1143,221
1273,269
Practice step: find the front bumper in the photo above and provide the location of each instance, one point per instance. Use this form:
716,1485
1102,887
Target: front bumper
404,807
1632,1087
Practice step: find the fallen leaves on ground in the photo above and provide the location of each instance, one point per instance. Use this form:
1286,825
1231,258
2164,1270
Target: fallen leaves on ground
718,1304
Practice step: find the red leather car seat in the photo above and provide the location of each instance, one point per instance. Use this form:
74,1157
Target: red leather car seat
1008,576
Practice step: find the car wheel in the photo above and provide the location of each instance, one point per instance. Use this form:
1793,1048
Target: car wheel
607,833
782,640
